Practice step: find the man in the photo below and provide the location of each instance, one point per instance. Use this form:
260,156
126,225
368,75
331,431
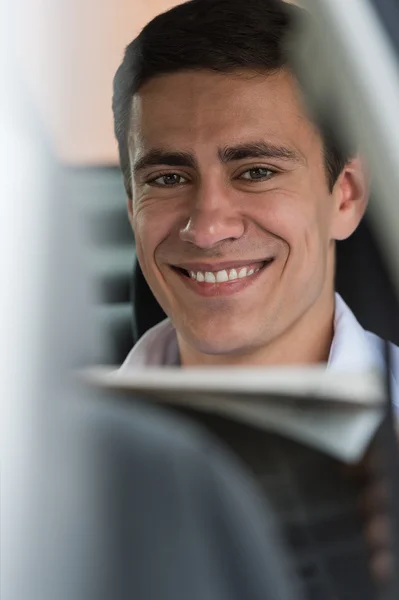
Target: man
235,197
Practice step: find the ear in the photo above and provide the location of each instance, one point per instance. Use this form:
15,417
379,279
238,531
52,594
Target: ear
350,195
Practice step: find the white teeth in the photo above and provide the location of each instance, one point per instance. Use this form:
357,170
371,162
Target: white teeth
232,274
210,277
222,276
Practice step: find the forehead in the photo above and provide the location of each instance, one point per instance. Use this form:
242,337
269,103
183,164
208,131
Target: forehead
191,110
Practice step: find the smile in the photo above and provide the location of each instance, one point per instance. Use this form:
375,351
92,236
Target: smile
223,281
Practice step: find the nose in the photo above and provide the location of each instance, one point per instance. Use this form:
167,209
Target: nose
213,219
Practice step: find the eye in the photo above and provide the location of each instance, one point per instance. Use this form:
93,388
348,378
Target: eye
168,180
257,174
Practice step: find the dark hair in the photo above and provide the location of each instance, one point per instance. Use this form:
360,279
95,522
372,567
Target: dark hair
218,35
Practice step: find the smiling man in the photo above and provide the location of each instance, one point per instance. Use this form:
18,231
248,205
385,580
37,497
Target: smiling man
235,197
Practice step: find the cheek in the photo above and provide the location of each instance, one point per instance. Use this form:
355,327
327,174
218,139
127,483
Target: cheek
293,219
152,224
302,222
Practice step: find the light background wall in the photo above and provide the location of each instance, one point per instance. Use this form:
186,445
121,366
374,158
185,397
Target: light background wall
70,52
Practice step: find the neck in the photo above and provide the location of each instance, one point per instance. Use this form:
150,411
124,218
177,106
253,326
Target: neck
306,342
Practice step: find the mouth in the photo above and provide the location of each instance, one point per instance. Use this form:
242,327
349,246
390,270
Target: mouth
213,280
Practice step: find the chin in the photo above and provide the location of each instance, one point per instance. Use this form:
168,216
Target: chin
223,342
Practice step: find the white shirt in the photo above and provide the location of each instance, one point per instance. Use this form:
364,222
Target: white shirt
352,348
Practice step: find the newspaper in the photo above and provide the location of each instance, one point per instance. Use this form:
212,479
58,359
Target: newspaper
335,413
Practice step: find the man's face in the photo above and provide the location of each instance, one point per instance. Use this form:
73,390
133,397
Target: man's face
233,219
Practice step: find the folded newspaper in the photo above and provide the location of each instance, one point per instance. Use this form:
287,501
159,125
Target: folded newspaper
337,413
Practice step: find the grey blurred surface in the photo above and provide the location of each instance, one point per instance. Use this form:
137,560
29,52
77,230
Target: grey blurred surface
143,505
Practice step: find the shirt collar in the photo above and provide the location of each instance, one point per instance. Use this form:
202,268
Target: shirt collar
351,349
158,347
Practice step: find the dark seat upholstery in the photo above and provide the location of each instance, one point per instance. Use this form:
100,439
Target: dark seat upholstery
146,310
363,281
361,278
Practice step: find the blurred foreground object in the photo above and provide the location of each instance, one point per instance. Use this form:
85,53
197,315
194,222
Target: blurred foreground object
353,90
150,508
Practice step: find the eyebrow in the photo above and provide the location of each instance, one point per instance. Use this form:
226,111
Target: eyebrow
259,150
158,156
163,157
